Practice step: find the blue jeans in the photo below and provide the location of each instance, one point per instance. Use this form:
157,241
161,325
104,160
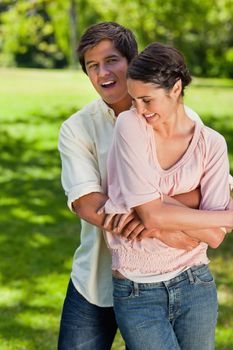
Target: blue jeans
177,314
85,326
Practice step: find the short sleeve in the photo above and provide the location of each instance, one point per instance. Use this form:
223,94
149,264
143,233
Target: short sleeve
132,176
80,174
215,189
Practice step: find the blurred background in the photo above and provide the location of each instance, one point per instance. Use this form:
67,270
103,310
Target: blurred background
41,85
44,34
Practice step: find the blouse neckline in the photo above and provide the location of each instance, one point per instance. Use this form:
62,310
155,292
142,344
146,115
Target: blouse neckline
184,157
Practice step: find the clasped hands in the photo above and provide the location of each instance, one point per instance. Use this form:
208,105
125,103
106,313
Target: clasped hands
129,226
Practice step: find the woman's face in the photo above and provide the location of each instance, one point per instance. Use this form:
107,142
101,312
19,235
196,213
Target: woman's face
152,102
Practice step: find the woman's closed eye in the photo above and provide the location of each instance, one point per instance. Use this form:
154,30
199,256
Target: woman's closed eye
146,101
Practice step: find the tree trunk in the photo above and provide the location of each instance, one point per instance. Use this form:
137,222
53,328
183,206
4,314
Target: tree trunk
73,33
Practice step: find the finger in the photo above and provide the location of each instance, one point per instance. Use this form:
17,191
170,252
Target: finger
125,218
129,228
107,220
116,222
138,229
141,235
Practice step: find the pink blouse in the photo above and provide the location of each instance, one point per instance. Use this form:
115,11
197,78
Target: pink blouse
135,177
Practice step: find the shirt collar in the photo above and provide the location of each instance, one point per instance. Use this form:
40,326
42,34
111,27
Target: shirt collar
107,111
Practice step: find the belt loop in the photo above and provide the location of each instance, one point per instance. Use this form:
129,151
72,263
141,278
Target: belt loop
136,289
190,276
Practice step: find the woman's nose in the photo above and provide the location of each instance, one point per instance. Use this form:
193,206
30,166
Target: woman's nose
140,108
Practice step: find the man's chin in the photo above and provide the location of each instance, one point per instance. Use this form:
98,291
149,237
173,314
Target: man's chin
110,100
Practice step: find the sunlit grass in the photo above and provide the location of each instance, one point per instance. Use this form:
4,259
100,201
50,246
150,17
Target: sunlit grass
38,234
25,93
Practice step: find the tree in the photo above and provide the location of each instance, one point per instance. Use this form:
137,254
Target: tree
28,36
44,33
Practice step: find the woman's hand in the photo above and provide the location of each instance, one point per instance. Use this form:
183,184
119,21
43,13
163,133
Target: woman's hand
174,239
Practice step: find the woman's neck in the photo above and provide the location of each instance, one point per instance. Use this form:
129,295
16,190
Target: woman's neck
178,124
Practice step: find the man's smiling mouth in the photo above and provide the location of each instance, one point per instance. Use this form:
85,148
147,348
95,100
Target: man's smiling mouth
109,83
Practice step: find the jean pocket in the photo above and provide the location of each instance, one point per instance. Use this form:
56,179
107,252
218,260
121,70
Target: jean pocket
204,277
121,290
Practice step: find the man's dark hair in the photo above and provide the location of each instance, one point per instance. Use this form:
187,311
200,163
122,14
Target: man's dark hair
161,65
122,38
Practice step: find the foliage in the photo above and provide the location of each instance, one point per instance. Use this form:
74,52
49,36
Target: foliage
196,28
38,234
39,33
28,35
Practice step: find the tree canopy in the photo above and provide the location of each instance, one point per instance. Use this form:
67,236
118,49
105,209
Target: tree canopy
44,33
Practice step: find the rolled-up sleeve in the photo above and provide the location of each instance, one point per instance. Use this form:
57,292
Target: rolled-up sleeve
80,173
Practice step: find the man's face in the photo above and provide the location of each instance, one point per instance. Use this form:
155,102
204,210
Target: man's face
107,68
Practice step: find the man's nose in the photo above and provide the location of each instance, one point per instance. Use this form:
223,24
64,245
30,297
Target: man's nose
103,71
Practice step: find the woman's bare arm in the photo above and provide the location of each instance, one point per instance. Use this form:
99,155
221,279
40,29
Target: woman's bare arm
212,236
157,214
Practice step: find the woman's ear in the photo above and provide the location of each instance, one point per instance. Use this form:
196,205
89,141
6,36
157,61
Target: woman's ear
177,88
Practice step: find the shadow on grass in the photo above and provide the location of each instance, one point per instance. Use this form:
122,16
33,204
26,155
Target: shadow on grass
225,127
36,335
225,313
33,202
224,254
38,234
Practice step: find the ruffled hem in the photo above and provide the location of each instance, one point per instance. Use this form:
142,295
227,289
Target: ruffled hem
155,262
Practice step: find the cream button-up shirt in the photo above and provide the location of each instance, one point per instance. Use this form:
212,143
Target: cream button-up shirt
84,142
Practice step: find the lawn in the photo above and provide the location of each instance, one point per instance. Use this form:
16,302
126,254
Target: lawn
38,234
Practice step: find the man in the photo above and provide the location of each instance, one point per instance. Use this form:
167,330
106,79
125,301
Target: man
88,321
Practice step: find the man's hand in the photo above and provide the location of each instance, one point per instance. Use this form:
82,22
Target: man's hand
127,225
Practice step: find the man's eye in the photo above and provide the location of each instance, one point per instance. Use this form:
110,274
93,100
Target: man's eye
146,101
111,60
92,66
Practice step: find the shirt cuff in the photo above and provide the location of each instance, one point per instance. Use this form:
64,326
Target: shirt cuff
78,191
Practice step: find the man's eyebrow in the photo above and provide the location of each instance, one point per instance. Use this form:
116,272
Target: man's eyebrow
88,62
107,57
112,56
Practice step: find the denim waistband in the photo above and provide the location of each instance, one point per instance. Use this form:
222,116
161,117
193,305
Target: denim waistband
188,274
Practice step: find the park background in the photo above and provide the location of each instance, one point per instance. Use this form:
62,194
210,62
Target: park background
41,84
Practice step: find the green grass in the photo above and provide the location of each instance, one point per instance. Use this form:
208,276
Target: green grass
38,235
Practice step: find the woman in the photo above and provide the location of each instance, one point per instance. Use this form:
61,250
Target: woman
165,298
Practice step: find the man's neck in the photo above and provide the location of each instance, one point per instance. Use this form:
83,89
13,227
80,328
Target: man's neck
121,106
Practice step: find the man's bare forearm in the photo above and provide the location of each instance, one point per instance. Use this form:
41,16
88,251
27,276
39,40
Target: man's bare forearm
190,199
86,208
